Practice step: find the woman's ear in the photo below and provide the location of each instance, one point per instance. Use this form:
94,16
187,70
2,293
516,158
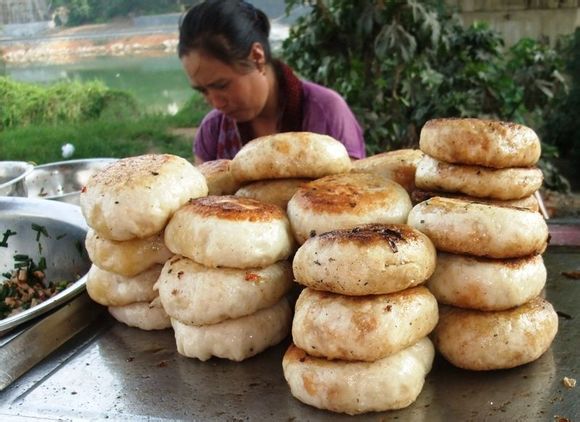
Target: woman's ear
258,57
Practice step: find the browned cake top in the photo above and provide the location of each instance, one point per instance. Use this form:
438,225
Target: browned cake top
483,126
462,205
393,235
234,208
210,168
132,169
347,192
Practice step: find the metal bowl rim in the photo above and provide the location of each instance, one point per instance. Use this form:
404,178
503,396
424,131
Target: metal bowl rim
66,162
28,168
78,160
64,195
42,208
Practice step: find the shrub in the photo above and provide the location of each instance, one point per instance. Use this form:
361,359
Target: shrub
562,127
27,104
399,64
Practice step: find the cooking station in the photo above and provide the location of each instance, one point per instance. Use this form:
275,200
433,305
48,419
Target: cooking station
110,371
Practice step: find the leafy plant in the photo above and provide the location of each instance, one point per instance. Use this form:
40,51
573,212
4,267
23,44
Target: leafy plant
24,104
562,127
401,63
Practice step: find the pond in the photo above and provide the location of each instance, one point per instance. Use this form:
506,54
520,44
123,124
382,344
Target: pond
159,83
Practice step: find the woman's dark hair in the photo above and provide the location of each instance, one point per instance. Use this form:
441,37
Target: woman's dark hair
224,29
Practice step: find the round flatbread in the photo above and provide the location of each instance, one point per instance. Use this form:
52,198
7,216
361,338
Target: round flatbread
484,341
230,231
345,201
135,197
529,202
369,259
276,191
219,177
129,257
487,284
399,166
198,295
472,228
110,289
143,315
481,182
366,328
235,339
289,155
340,386
480,142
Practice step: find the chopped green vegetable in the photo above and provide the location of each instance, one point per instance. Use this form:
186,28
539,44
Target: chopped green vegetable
21,291
41,264
61,285
5,236
39,230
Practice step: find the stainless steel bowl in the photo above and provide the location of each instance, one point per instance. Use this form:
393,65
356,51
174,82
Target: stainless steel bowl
63,180
49,229
12,177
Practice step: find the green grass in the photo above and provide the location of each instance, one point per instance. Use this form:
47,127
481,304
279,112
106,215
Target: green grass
192,111
92,139
35,122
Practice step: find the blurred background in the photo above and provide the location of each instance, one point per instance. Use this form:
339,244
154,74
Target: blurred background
103,75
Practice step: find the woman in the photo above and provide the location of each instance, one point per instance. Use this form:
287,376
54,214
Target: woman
225,52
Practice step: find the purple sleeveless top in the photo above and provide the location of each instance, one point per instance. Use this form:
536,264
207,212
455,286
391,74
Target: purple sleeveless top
324,111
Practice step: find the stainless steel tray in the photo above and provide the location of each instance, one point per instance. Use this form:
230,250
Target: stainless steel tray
28,344
60,242
113,372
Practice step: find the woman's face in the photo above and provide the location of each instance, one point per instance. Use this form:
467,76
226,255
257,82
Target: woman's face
240,94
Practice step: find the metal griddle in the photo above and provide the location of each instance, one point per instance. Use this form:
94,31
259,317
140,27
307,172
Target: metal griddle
22,348
110,371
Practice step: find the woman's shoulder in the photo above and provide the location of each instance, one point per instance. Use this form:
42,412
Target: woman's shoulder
321,95
326,104
212,124
325,111
212,118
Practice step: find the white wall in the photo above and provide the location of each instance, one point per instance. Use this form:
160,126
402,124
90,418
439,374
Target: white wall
516,19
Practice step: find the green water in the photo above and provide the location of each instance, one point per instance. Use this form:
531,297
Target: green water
158,83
